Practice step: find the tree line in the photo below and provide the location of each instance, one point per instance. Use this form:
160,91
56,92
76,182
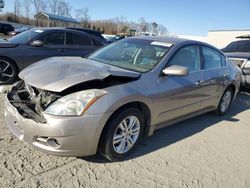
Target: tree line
23,11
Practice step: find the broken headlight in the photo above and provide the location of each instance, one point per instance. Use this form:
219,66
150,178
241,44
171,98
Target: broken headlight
75,104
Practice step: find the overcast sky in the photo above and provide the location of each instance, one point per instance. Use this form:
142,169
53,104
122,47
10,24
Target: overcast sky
187,17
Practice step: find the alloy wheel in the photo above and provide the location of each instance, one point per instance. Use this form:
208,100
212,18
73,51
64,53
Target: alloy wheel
6,71
226,100
126,134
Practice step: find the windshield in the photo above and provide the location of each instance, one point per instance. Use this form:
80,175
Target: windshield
238,46
25,36
133,54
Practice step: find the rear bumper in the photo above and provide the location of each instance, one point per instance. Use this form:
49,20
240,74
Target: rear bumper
64,136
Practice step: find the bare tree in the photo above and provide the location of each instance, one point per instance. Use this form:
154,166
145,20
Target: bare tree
64,9
161,30
43,6
36,5
27,10
17,7
2,4
154,27
40,5
121,24
82,15
53,6
143,25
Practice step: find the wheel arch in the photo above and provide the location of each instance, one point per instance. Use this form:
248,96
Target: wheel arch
233,87
143,107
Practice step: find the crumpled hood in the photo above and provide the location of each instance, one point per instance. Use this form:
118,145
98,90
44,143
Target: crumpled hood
59,73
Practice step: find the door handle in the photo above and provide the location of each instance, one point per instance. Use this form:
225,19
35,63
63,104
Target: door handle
226,75
199,82
202,83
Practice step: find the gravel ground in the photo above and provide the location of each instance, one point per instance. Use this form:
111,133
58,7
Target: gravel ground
206,151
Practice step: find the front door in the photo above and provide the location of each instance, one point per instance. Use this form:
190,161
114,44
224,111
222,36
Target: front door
53,45
181,95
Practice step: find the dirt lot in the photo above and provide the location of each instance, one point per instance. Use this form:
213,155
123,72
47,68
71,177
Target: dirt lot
207,151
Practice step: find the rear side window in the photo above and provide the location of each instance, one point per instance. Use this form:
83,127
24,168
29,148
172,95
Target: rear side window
78,39
188,56
212,58
97,43
56,38
6,27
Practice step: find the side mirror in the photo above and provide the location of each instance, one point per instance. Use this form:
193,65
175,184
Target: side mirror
175,70
36,43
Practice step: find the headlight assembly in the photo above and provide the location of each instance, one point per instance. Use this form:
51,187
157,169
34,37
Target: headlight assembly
75,104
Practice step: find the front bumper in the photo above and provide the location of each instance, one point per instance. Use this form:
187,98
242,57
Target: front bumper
64,136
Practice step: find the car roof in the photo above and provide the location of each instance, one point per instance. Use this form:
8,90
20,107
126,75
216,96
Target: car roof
175,41
45,29
243,40
89,31
50,28
82,29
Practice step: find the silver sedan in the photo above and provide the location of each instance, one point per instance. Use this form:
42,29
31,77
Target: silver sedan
106,103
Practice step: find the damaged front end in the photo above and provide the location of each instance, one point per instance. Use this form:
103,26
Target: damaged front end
31,102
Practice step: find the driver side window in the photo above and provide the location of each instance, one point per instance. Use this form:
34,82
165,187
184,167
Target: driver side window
188,56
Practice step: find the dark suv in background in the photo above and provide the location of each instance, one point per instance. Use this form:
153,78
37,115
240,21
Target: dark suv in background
6,28
239,53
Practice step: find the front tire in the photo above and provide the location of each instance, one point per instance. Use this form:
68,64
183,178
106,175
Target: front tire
225,102
8,71
122,134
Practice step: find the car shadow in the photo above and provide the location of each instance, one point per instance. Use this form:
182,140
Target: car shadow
177,132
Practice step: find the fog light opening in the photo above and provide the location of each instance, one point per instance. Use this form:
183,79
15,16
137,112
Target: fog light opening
53,143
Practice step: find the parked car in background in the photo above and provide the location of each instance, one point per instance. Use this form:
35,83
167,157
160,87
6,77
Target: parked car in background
89,31
239,53
113,38
33,45
18,31
147,34
5,28
105,103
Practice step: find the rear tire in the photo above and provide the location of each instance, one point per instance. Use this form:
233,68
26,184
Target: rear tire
225,102
8,71
122,134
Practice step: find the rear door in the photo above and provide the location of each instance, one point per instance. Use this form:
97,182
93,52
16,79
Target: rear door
79,44
216,75
181,95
